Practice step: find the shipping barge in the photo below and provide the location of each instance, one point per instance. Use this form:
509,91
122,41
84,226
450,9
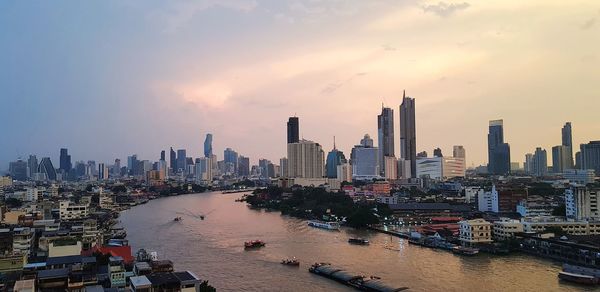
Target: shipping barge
371,284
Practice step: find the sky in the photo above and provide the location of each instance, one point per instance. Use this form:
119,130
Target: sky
107,79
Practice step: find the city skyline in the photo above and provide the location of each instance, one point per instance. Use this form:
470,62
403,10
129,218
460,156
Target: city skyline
104,90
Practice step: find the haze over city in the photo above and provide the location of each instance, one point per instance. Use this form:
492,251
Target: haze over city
111,78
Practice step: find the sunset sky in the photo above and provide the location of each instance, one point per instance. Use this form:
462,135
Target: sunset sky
107,79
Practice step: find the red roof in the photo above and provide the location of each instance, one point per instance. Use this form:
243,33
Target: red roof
115,251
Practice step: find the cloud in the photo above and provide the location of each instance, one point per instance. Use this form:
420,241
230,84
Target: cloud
444,9
332,87
591,22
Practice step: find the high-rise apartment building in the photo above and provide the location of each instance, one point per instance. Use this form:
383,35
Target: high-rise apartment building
283,164
102,171
305,159
498,150
230,157
181,161
458,151
567,141
162,155
590,156
243,166
173,160
560,158
385,135
408,133
365,160
32,166
65,161
293,130
18,170
539,162
582,203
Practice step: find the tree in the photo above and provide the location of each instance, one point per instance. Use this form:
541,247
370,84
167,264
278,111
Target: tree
204,287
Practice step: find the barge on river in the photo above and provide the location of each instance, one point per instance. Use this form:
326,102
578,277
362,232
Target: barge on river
324,225
373,284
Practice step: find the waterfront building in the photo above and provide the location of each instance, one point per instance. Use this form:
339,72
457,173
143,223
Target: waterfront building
439,168
506,228
305,159
365,160
476,231
335,157
540,162
582,203
293,130
408,133
46,169
541,224
243,166
18,170
579,176
385,135
590,156
69,210
208,151
498,150
181,161
580,250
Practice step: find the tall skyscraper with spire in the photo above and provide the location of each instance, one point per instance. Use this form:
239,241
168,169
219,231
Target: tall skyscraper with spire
385,133
208,146
334,158
408,133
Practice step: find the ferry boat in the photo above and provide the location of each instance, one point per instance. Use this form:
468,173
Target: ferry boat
359,241
291,262
581,275
254,244
324,225
468,251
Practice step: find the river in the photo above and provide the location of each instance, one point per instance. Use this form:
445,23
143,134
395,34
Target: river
213,249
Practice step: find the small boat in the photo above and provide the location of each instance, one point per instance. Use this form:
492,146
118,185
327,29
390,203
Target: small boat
201,217
177,219
578,278
465,250
290,262
324,225
254,244
359,241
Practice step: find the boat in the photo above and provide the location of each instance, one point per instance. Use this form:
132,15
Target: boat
177,219
578,278
359,241
461,250
324,225
254,244
291,262
363,283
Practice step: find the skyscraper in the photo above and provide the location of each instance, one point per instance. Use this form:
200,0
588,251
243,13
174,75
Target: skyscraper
458,151
498,151
243,166
540,162
590,156
208,145
65,160
47,169
560,158
18,170
385,133
305,159
365,160
567,141
181,160
334,158
230,157
283,163
102,171
162,155
173,160
32,165
293,130
408,133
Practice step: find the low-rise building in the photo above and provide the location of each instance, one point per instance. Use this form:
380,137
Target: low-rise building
22,240
506,229
476,231
70,211
534,209
543,224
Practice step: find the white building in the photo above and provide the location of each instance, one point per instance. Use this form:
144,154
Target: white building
540,224
404,169
439,168
365,160
582,203
389,200
204,169
22,240
579,176
32,194
390,167
305,160
488,201
473,193
475,231
69,211
506,228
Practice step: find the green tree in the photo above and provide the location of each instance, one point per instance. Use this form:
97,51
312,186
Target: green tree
204,287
